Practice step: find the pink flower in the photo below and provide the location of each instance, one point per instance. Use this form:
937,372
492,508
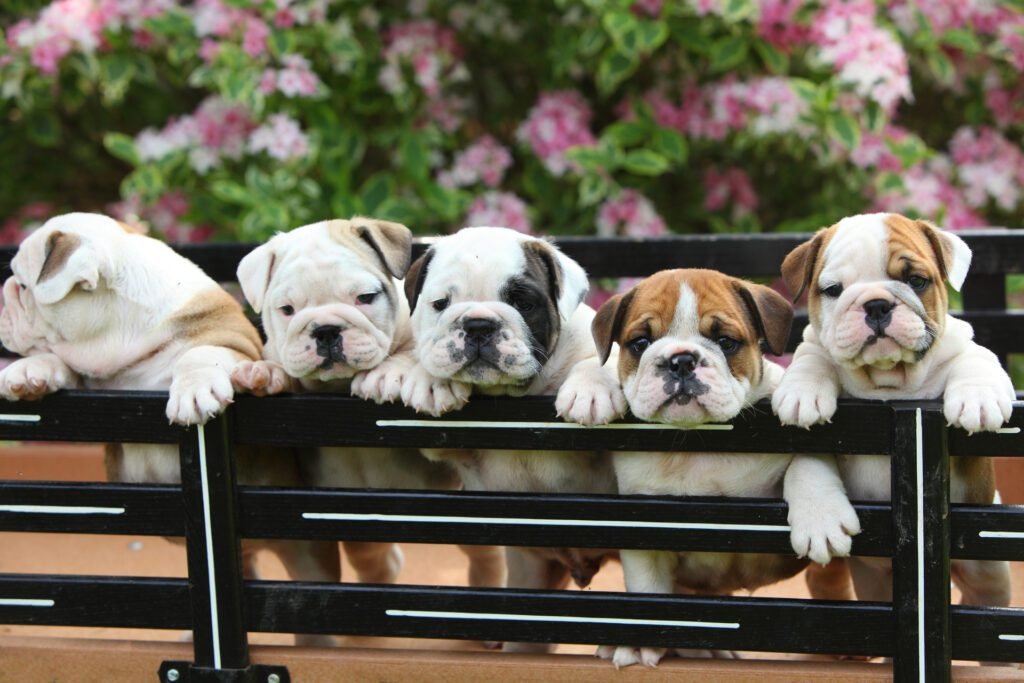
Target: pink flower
557,122
297,78
630,213
988,166
215,130
268,82
499,209
648,8
432,52
1006,105
23,221
874,152
215,18
929,192
281,138
254,40
778,25
208,50
486,161
446,112
284,18
729,186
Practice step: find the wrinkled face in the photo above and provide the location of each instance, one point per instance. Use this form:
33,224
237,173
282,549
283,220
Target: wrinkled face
53,295
876,289
330,308
488,305
690,343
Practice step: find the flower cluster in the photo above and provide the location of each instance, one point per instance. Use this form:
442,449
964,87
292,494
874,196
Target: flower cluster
630,213
989,167
499,209
281,137
215,131
558,122
296,79
430,50
485,161
729,187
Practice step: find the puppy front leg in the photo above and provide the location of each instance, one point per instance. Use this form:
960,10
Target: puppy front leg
261,378
201,384
27,379
383,384
979,394
591,394
645,571
425,393
822,521
375,562
528,569
808,391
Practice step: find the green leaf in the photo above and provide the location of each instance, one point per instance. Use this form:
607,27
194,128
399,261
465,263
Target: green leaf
375,190
145,182
398,210
728,53
889,182
413,155
737,10
44,129
670,143
650,35
442,201
625,133
776,61
231,192
645,162
623,27
236,86
910,150
875,117
590,158
116,73
591,41
807,90
941,67
690,35
593,188
844,128
614,68
281,42
962,39
121,146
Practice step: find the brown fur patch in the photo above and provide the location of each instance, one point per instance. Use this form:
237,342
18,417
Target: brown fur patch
802,267
132,229
213,318
59,247
979,474
389,243
911,253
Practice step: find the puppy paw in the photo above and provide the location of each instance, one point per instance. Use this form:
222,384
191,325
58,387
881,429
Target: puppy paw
804,403
198,395
27,379
383,384
425,393
260,378
823,527
977,407
628,656
591,396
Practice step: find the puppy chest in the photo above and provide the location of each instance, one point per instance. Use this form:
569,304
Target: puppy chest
542,472
700,474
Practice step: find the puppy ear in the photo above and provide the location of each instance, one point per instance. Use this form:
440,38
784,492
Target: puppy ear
392,242
415,276
798,266
770,313
952,253
67,263
607,325
254,273
567,281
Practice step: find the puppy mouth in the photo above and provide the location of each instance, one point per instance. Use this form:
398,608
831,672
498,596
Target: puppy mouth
331,353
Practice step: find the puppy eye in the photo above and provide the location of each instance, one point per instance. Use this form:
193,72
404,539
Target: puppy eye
367,298
728,345
522,305
639,345
833,291
287,310
21,285
918,283
441,304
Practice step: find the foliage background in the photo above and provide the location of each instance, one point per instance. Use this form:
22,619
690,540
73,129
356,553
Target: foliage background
232,119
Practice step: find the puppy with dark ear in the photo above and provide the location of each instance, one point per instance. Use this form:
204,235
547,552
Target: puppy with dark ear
690,350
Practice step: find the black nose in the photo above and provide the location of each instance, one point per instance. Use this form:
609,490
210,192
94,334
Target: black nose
479,330
682,364
878,310
326,334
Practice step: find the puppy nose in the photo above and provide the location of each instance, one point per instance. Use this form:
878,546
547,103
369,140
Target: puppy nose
479,330
326,334
877,309
682,364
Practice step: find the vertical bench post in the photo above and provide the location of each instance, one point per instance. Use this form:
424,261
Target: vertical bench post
920,513
209,490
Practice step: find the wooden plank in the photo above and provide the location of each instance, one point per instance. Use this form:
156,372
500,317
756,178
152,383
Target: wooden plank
74,660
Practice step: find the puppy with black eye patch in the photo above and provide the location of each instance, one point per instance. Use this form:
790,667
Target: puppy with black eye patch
691,351
497,312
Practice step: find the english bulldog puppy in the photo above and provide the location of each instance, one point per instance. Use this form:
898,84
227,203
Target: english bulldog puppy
336,320
497,312
879,328
691,346
94,304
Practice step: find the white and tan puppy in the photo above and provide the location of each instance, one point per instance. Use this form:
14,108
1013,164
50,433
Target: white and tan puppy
879,328
691,346
497,312
94,304
336,319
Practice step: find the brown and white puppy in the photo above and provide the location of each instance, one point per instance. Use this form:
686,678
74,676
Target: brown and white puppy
94,304
879,328
497,312
691,346
336,319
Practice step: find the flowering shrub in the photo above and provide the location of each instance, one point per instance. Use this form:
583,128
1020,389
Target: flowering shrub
236,118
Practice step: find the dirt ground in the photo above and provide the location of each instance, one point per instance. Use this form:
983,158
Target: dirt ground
147,556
